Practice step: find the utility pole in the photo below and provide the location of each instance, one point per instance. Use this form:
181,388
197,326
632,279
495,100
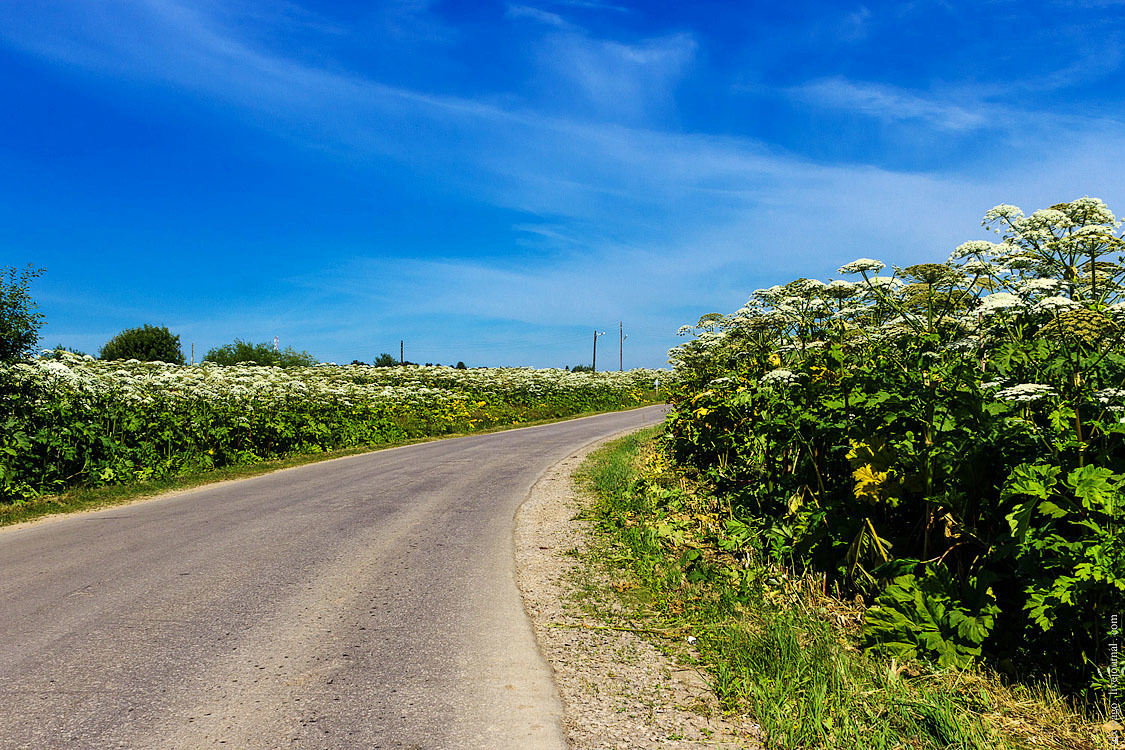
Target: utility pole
621,351
594,366
401,352
193,352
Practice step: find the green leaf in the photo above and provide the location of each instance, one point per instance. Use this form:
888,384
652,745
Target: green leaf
1020,519
1034,480
1095,486
1048,508
745,398
929,616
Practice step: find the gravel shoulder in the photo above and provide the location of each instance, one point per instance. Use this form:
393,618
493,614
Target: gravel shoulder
618,690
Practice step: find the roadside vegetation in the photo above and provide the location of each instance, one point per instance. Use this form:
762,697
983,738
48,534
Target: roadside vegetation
778,646
73,421
78,432
930,455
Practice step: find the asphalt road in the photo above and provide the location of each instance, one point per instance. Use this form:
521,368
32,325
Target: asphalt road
364,602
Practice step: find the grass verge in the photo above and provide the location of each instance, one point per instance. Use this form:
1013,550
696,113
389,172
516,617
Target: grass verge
92,498
776,647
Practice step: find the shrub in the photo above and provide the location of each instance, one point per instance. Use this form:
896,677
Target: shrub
385,360
145,343
243,352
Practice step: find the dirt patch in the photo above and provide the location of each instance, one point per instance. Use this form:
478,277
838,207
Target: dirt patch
618,690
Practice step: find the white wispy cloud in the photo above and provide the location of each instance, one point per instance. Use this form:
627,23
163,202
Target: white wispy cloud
604,79
855,25
631,219
891,103
539,16
592,5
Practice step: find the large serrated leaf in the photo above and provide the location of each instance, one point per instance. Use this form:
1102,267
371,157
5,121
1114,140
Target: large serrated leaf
1033,480
1095,486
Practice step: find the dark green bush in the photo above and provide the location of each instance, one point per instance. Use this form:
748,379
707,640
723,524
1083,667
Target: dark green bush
243,352
385,360
145,343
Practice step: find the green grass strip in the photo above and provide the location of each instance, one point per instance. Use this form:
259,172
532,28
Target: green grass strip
82,499
774,646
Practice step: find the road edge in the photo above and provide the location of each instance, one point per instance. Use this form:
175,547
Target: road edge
208,482
616,688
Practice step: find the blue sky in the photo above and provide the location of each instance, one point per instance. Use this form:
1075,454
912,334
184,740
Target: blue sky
493,181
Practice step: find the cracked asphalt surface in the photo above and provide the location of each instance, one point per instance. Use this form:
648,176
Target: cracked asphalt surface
365,602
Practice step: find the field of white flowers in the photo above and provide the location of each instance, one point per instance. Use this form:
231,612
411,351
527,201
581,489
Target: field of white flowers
74,420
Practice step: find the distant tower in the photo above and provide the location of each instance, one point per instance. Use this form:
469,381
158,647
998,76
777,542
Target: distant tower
275,342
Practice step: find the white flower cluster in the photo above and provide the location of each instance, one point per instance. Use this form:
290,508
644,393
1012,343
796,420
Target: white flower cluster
1030,287
862,265
1025,393
1003,212
1053,260
1110,395
1094,211
998,302
1054,304
781,377
976,267
885,282
843,288
84,379
979,249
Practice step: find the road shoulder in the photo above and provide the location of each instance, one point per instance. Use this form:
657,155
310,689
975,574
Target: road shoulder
618,690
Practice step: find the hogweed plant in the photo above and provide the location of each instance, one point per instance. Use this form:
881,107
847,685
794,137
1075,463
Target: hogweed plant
943,439
76,421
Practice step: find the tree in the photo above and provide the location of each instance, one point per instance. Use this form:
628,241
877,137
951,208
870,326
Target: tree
19,321
146,343
243,352
461,366
582,368
385,360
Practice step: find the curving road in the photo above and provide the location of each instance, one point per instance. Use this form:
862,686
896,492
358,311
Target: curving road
364,602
